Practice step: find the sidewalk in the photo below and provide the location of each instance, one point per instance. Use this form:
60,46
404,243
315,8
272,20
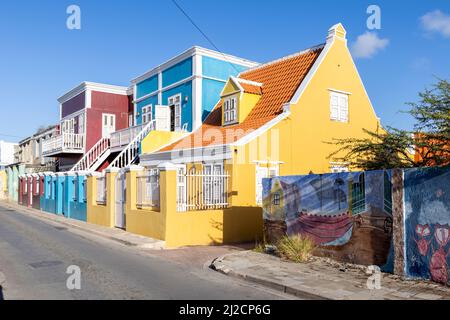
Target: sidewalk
323,278
115,234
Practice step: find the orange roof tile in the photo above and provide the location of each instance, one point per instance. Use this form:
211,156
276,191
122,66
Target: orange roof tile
280,80
251,88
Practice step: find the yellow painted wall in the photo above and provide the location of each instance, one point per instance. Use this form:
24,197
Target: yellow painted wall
143,221
4,184
246,104
157,139
302,135
206,227
214,227
102,215
229,88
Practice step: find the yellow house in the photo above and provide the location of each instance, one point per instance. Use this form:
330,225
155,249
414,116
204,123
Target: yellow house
274,119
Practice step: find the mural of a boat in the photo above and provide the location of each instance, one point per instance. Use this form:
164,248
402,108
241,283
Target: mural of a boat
321,229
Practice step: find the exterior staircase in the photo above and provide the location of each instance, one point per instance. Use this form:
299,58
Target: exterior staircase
94,157
131,152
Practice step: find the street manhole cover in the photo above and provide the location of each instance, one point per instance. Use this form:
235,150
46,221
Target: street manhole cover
61,228
45,264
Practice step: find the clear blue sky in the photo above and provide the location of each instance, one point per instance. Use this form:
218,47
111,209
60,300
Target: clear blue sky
40,59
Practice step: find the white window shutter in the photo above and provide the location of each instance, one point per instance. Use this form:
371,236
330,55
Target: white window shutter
334,108
343,108
178,116
162,118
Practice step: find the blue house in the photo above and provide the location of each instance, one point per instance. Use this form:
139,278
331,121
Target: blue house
189,84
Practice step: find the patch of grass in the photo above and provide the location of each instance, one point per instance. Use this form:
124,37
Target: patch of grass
296,248
260,247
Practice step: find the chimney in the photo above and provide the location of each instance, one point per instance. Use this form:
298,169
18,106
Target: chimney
337,32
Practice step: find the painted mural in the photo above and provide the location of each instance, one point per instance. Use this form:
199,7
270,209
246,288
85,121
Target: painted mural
348,215
427,223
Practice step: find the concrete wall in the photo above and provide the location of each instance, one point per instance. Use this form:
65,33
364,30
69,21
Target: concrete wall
348,215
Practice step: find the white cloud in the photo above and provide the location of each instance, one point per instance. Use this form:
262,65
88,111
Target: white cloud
368,44
436,21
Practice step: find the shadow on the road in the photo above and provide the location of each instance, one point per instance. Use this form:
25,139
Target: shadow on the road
1,293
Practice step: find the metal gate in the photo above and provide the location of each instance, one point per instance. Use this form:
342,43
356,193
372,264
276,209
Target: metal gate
120,199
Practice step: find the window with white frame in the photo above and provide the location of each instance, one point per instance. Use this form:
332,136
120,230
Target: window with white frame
175,102
230,110
147,114
338,106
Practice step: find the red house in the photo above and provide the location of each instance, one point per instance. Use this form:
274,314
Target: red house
89,113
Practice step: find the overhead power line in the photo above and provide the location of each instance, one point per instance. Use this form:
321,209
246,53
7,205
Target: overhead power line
203,33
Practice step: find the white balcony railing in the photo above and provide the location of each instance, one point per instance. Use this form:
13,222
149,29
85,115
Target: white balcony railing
122,138
63,143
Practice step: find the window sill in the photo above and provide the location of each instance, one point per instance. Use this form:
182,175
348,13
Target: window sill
339,121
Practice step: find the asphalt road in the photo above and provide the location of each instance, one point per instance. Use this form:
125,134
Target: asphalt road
34,256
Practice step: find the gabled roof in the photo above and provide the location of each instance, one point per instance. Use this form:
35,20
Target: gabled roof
280,80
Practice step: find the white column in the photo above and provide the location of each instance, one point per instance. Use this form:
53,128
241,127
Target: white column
197,91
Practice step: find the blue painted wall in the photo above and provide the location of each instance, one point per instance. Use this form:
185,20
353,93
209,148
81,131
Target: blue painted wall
211,90
186,108
48,201
220,69
77,205
68,194
147,86
178,72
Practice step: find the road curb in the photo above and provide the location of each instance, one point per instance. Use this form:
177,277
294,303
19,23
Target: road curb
47,216
219,266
